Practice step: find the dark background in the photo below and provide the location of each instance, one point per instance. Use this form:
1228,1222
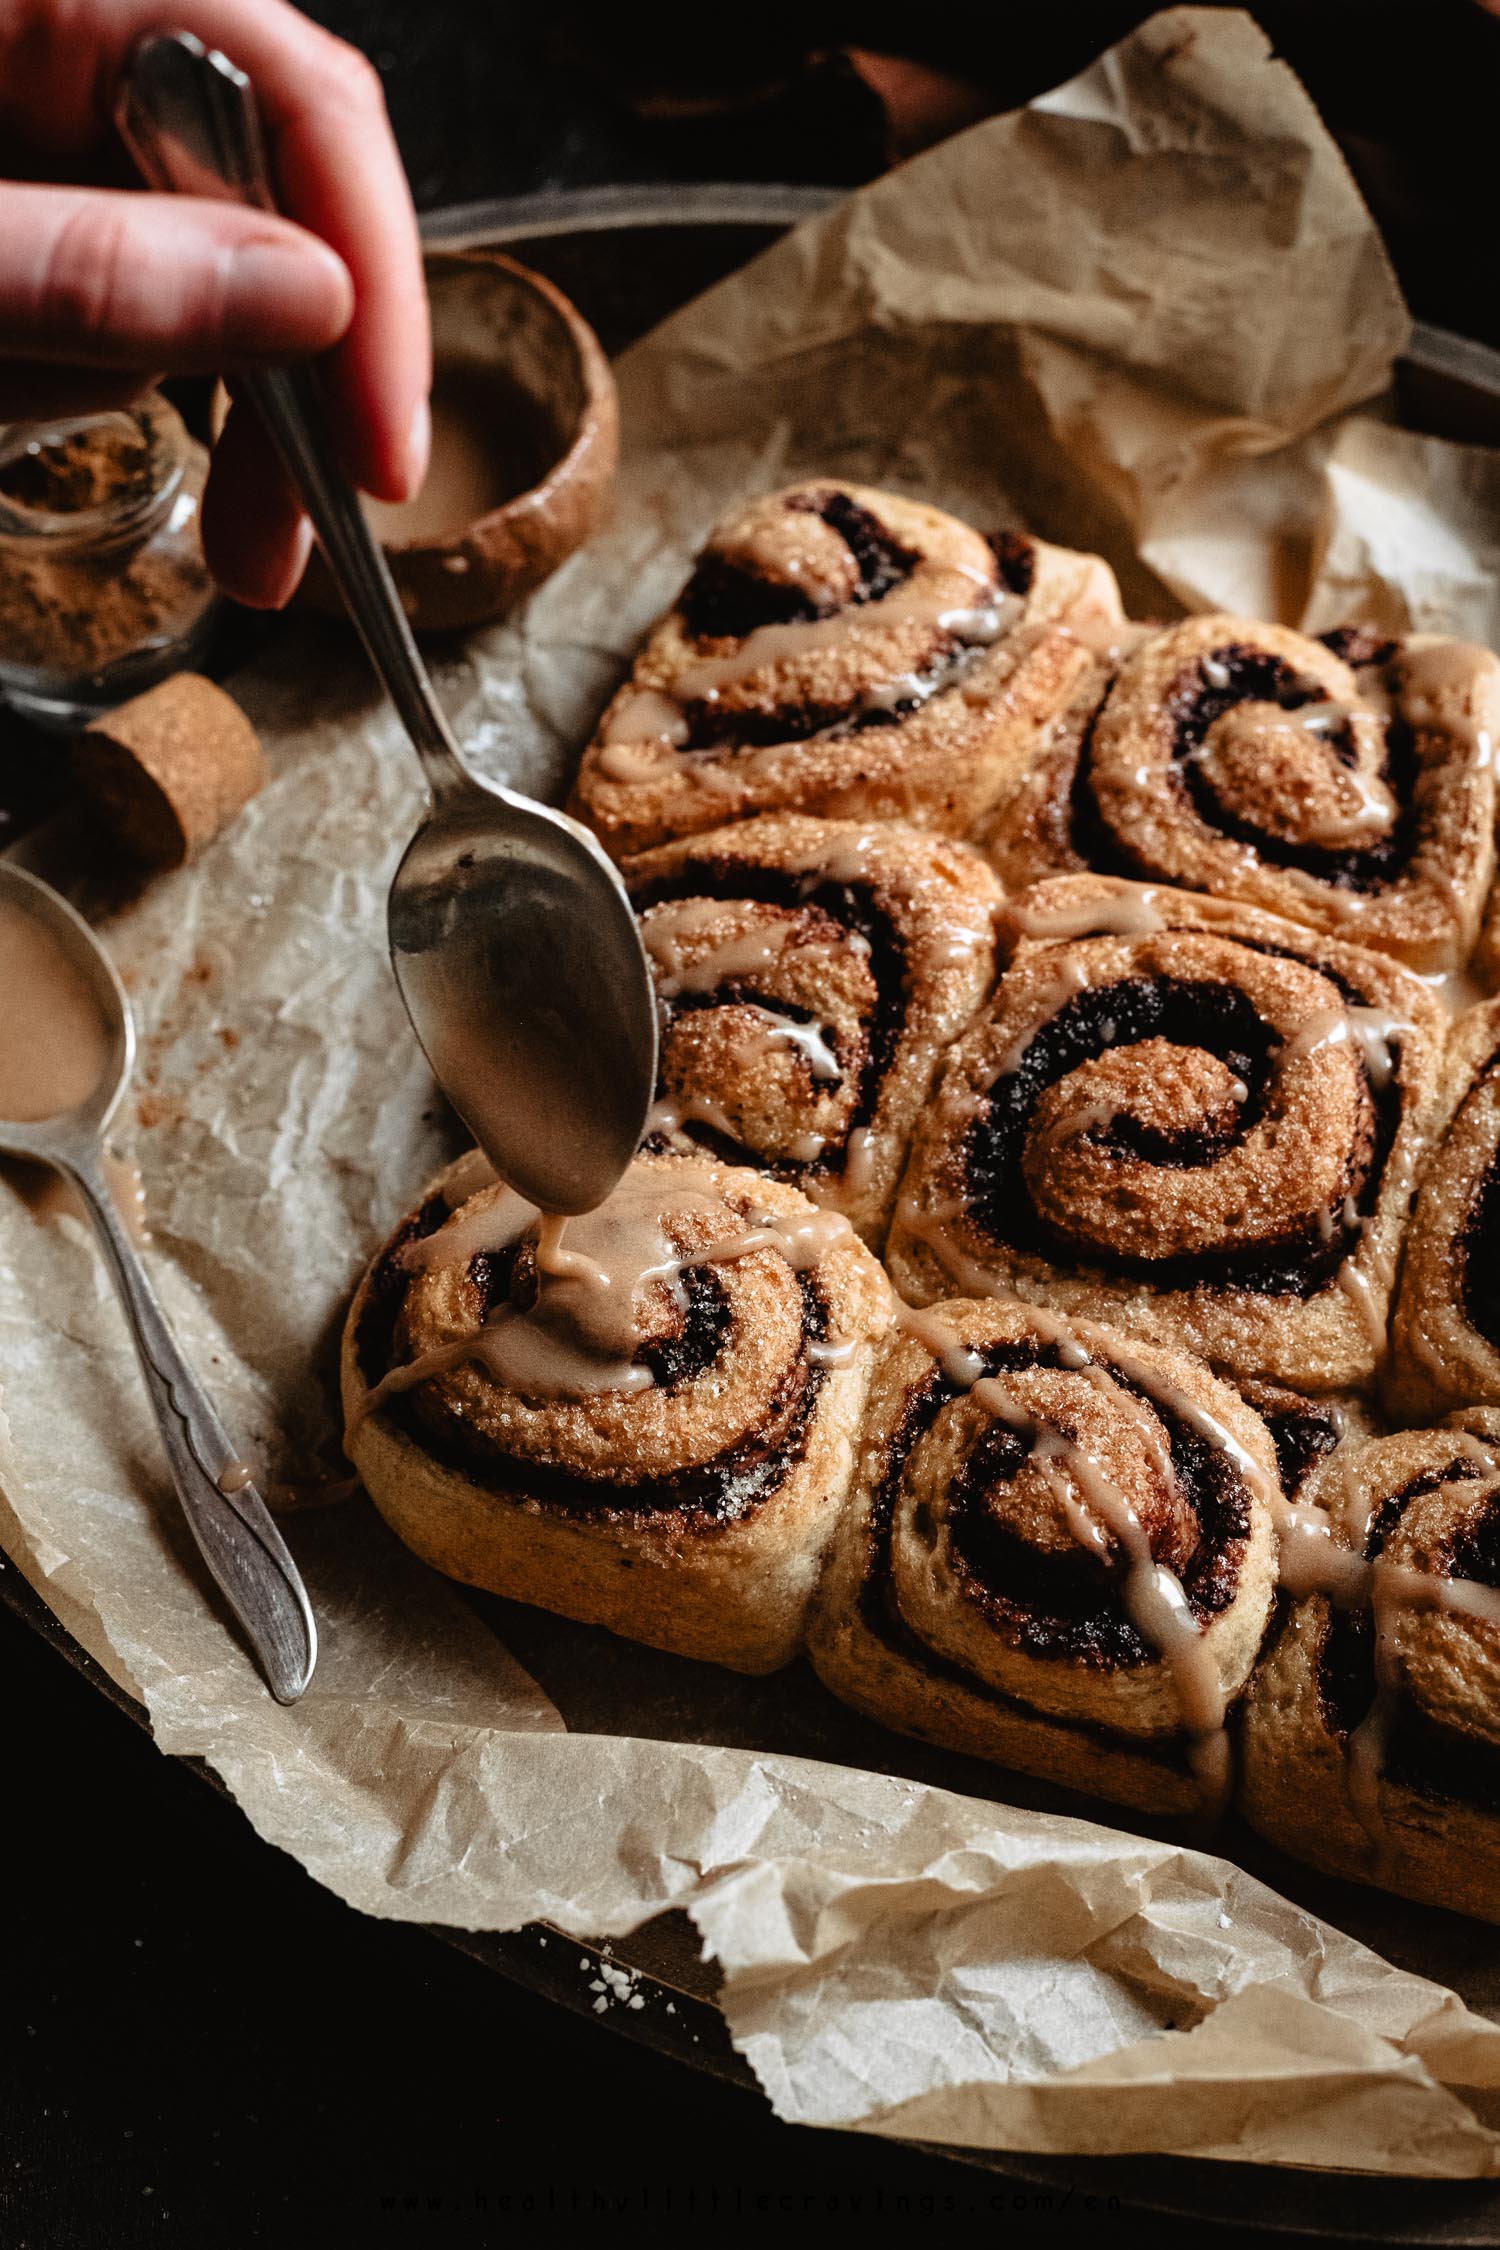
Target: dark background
198,2046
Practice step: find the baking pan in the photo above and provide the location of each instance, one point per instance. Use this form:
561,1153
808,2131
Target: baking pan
628,256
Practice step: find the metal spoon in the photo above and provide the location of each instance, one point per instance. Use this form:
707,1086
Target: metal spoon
227,1516
511,935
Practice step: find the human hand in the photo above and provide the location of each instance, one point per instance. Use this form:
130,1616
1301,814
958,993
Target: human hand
104,288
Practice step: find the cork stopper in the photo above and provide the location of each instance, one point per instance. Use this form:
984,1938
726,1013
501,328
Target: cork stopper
171,768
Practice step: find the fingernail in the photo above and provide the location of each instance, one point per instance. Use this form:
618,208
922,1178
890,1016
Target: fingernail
418,446
285,298
296,562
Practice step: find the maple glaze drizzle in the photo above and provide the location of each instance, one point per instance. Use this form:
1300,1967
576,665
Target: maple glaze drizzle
1098,1512
595,1272
654,718
1320,1551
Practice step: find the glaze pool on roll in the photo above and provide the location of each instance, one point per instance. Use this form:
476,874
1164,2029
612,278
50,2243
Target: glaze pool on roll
652,1429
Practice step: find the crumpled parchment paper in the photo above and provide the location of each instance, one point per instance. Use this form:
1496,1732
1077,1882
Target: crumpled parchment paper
1141,314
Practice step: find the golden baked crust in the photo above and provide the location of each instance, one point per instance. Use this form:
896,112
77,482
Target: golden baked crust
1105,1497
1445,1336
1190,1119
691,1514
960,1602
1387,1769
1039,823
843,651
1349,787
811,974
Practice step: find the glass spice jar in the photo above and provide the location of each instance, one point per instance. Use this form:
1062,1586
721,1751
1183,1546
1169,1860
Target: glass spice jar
103,585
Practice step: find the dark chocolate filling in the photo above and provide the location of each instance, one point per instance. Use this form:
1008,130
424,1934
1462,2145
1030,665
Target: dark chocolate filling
1358,647
1193,706
853,907
375,1337
1474,1552
1065,1608
1386,1517
724,601
1258,678
723,1490
1346,1671
1303,1435
1218,1018
1015,559
711,728
883,562
1438,1763
1089,834
1066,1605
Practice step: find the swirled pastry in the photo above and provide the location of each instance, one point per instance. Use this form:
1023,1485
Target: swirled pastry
810,974
1371,1733
1059,1553
1193,1120
1445,1336
1349,785
839,650
646,1424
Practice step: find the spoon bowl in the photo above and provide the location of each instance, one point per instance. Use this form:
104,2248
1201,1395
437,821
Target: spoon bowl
516,952
66,934
85,1044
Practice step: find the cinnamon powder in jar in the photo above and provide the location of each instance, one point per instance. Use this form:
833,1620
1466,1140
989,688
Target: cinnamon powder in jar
103,585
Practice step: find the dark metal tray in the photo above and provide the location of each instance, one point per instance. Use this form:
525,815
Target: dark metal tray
628,256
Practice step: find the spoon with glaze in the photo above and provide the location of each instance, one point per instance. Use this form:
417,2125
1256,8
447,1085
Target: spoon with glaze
511,935
66,1048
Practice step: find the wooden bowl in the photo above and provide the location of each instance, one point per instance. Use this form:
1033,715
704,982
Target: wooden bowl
518,366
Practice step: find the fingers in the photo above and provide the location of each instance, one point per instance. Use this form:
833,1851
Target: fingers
337,168
51,394
255,535
340,175
109,279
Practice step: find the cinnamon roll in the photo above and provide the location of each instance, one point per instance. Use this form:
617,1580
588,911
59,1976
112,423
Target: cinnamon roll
1371,1733
839,650
1191,1119
1347,784
1445,1336
1059,1553
810,973
644,1418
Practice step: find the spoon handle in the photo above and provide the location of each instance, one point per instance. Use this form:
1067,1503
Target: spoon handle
236,1536
190,120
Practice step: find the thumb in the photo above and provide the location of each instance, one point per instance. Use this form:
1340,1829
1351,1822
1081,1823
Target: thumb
173,284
